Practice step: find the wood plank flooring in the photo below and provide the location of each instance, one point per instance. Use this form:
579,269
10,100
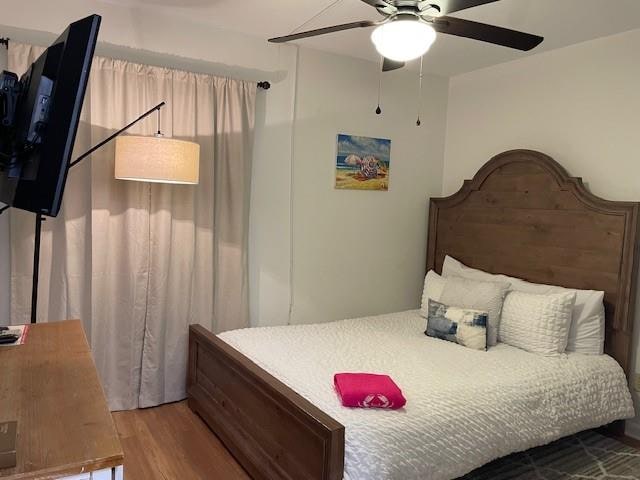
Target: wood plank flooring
171,442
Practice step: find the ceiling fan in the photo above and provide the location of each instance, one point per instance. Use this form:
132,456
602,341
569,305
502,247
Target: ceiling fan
409,28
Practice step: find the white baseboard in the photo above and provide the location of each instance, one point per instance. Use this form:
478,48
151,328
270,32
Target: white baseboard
632,428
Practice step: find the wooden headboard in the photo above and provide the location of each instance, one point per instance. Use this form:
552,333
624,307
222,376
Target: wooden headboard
523,215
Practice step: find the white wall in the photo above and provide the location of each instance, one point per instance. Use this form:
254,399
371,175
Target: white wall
355,252
150,29
579,104
270,217
373,242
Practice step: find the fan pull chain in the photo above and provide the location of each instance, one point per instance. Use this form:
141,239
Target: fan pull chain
419,122
379,110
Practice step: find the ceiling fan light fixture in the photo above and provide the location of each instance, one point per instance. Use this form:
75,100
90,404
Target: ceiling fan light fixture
403,40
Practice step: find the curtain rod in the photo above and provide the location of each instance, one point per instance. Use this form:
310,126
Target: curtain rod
262,85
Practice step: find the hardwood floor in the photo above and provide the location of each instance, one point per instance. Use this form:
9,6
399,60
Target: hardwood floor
171,442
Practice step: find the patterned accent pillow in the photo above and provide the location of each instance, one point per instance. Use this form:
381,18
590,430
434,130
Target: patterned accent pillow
458,325
537,323
433,286
477,295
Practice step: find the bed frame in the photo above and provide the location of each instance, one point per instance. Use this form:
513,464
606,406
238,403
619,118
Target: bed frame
521,215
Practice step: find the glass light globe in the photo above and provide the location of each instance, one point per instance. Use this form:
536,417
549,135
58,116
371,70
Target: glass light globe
403,40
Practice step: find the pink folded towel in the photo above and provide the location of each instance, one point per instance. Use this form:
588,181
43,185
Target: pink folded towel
367,390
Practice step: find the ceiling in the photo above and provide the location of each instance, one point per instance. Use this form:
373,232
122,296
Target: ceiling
561,22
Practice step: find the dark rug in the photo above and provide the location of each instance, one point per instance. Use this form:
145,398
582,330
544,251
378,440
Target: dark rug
585,456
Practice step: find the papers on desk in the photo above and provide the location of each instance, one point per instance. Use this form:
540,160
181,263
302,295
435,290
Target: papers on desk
22,330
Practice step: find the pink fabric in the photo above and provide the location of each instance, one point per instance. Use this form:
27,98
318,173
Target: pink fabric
367,390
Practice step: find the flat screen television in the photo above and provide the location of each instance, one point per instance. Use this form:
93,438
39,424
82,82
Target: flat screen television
39,117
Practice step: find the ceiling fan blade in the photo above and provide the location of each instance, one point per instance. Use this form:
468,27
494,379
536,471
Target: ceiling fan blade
389,65
487,33
449,6
323,31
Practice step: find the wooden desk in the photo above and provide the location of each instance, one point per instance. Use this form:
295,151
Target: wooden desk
50,386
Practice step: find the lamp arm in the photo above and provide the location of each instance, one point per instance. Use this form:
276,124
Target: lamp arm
105,141
119,132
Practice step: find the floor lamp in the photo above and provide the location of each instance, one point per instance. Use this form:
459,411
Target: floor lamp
149,159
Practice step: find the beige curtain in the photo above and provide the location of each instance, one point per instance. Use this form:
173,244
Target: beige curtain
139,262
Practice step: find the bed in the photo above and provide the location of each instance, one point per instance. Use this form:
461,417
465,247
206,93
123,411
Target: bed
267,392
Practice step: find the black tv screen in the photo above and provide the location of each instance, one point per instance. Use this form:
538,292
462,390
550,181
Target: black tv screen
38,129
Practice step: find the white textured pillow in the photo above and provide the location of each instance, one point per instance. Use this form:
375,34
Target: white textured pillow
433,285
537,323
586,334
484,296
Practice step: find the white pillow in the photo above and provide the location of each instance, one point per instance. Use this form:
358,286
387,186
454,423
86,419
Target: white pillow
537,323
433,285
586,334
484,296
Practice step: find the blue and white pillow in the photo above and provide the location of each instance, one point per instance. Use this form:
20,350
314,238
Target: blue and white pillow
458,325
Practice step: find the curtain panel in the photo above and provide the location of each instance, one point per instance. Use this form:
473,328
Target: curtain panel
140,262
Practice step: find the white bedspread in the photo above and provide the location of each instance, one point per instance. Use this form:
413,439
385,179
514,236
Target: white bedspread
464,407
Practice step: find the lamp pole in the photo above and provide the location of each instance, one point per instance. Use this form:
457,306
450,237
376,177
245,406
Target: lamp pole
36,267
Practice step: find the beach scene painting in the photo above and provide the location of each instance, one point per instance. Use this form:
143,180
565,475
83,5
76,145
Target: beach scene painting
363,163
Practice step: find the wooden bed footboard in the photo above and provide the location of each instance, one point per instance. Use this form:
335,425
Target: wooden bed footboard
272,431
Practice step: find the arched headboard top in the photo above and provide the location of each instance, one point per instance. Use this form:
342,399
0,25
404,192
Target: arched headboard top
524,216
